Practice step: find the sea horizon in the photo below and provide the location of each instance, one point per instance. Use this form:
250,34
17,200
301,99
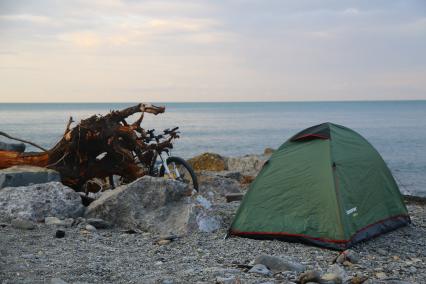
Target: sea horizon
210,102
394,128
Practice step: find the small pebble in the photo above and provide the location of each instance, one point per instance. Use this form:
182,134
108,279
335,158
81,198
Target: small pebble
60,234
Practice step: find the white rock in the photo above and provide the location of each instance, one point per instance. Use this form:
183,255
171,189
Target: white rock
260,269
53,221
279,264
90,228
158,205
36,202
246,165
22,224
207,223
203,202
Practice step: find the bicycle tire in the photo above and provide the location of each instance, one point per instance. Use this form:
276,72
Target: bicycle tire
182,162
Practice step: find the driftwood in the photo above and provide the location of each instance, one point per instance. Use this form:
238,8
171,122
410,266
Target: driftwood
97,147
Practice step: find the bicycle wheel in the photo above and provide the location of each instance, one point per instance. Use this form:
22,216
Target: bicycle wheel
180,170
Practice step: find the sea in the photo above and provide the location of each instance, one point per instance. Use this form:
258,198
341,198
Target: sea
397,129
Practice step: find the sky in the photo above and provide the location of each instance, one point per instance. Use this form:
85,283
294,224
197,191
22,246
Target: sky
196,50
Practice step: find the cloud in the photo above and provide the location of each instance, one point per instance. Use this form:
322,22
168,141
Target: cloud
211,50
138,30
34,19
180,25
82,39
351,11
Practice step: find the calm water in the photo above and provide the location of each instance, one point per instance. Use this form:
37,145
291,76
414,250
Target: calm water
396,129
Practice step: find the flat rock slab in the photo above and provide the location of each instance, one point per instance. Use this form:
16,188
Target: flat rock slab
26,175
278,264
36,202
17,147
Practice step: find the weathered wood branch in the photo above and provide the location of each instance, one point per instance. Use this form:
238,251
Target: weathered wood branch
97,147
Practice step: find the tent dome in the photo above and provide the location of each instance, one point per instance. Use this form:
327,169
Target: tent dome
327,186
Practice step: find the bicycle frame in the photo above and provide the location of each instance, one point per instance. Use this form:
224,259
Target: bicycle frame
163,163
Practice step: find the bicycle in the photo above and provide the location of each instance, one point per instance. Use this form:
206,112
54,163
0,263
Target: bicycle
161,163
155,160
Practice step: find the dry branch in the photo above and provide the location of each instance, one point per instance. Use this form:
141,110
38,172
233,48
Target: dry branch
97,147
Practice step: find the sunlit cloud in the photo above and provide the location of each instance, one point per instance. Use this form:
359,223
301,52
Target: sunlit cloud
82,39
139,30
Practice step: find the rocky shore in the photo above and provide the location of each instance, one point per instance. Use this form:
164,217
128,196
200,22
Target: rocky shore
153,231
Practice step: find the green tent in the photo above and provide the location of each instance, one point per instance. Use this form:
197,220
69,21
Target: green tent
326,186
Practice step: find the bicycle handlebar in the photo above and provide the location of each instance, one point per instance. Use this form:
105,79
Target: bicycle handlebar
151,136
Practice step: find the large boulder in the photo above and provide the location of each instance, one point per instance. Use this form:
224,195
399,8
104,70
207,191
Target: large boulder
215,186
156,205
26,175
36,202
249,165
208,162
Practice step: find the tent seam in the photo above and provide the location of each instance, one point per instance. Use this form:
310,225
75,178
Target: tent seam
336,190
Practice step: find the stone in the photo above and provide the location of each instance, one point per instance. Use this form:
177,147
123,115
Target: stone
219,186
330,278
207,162
335,275
278,264
16,147
249,165
163,242
203,202
245,180
22,224
260,269
208,223
68,222
347,255
36,202
381,275
231,174
234,197
268,151
57,281
26,175
157,205
382,252
358,279
60,234
98,223
90,228
226,280
53,221
309,276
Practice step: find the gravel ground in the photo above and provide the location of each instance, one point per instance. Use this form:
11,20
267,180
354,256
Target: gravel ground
112,256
